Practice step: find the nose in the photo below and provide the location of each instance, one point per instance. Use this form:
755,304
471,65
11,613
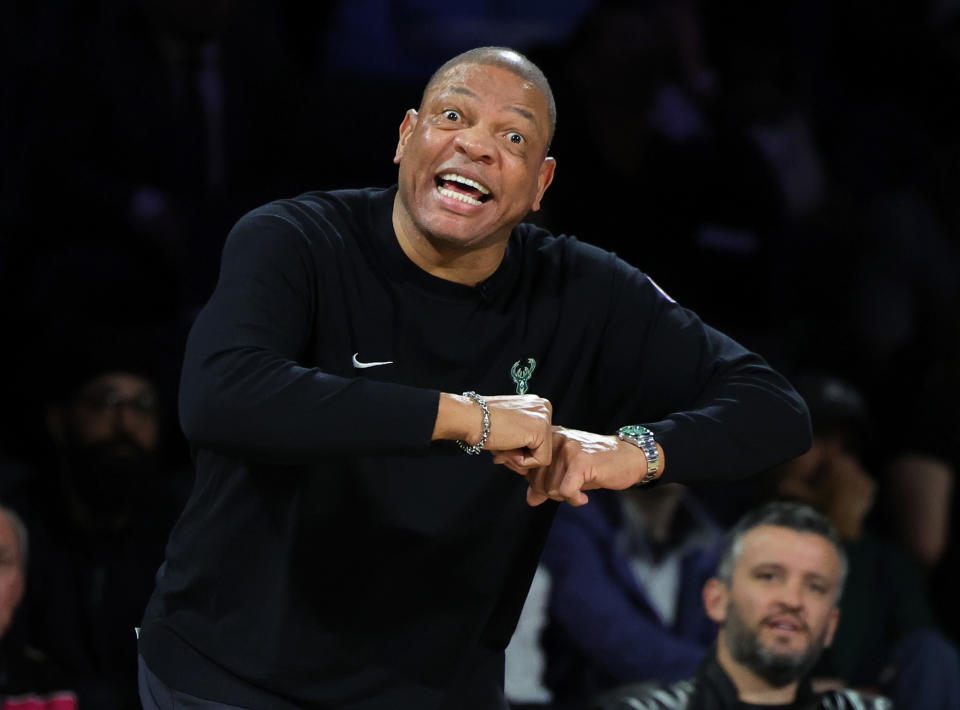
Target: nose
130,417
792,595
118,419
124,417
476,144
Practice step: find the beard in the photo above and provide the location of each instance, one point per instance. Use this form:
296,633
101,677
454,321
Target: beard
776,667
107,477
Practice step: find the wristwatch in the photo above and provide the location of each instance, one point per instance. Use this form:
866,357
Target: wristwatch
642,438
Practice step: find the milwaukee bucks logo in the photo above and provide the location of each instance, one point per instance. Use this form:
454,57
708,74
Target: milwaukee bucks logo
521,374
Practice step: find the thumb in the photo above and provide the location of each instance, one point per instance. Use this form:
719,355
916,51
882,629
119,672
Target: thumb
534,499
516,460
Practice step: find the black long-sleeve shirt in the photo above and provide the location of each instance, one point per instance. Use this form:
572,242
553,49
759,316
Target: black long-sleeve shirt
330,554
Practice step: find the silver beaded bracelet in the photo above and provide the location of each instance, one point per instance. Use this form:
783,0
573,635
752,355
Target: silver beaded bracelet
478,447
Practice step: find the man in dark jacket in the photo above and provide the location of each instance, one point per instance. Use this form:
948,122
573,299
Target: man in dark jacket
775,599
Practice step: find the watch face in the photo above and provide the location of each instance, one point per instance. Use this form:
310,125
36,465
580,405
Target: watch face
635,430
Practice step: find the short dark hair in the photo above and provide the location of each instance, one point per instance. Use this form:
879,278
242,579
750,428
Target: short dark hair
786,514
505,58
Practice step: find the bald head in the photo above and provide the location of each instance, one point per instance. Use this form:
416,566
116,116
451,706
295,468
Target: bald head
508,59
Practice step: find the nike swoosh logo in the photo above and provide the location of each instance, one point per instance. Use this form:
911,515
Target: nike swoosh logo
361,365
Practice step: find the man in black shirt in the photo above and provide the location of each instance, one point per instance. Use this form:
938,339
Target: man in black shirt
344,546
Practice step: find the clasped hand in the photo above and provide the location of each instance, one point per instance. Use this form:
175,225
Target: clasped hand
558,463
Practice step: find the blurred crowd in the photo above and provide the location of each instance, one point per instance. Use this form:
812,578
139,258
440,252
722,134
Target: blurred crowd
789,170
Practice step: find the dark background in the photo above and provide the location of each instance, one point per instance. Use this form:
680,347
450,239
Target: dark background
789,170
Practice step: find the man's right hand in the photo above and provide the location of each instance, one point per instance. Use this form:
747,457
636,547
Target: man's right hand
520,425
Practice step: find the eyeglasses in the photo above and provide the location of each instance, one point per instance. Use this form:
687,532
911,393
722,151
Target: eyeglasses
109,399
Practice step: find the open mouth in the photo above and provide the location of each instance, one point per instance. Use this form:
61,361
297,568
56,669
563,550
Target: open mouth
786,624
463,188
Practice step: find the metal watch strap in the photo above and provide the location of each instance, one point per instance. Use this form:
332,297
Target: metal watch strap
642,438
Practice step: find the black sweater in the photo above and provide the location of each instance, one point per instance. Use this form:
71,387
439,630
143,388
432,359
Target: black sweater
330,555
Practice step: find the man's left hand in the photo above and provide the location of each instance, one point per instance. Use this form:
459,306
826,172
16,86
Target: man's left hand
581,461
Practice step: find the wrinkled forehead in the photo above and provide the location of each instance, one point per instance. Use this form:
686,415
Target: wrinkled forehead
483,80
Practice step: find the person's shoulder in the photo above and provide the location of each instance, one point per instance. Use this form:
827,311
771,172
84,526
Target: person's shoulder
567,256
319,206
582,265
562,248
846,698
647,696
315,218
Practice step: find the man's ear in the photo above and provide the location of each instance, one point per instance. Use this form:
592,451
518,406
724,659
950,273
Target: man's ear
406,129
544,178
54,418
716,597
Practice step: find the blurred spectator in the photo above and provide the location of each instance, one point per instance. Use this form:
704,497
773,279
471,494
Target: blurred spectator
626,575
887,638
920,495
100,510
28,681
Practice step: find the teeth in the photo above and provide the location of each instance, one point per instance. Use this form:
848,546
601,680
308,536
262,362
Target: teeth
458,196
465,181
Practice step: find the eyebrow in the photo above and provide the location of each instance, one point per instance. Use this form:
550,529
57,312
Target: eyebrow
462,90
523,112
817,577
768,566
778,567
517,109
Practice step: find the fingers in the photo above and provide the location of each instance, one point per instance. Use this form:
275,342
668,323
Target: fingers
559,481
548,483
534,498
581,461
521,425
539,489
540,454
544,486
520,460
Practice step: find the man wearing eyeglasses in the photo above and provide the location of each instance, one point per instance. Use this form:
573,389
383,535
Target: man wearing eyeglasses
99,511
107,435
